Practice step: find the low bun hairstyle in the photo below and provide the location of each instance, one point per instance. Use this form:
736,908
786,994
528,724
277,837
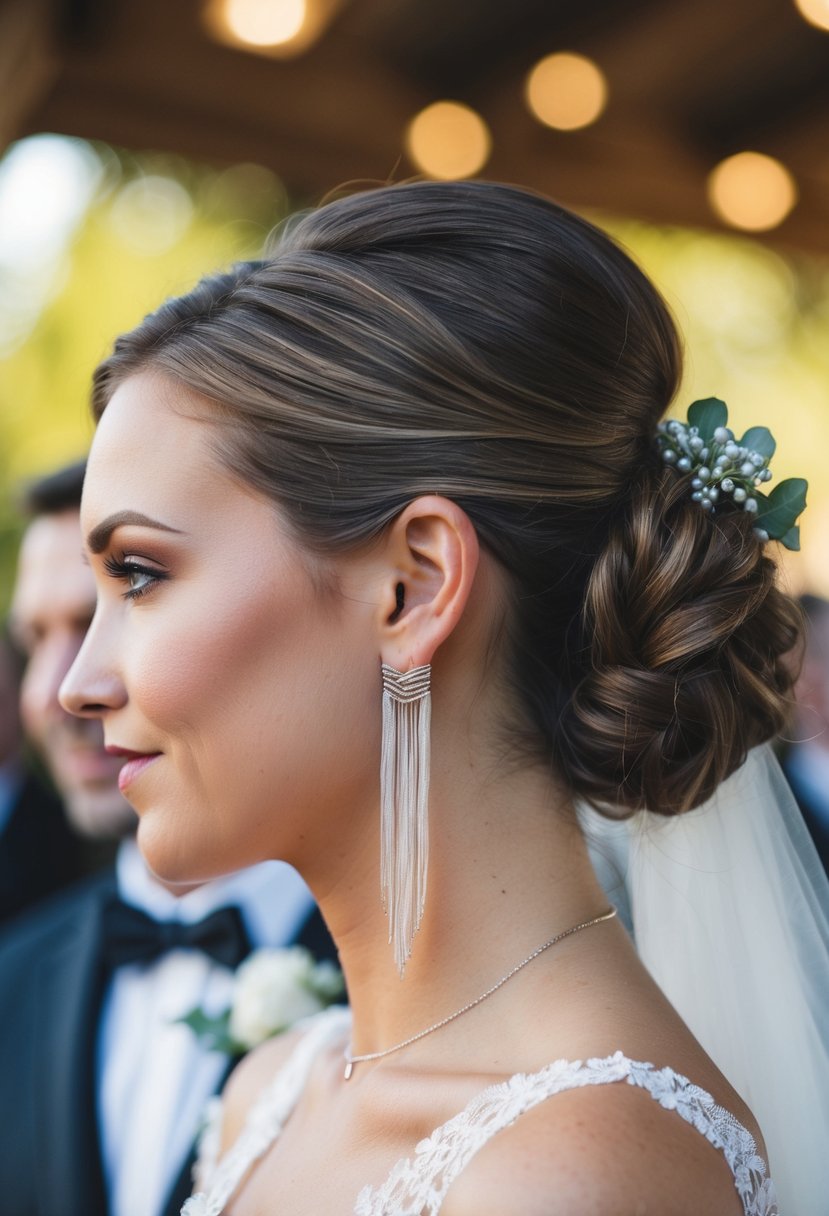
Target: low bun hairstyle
686,634
475,340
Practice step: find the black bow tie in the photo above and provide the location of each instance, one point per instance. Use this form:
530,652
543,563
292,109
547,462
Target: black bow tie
130,936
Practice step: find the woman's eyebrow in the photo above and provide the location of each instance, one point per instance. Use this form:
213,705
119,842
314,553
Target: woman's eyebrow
99,536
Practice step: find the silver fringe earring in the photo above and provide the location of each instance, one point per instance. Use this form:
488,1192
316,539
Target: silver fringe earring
404,803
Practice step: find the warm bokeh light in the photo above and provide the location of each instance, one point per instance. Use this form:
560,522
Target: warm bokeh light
269,27
448,140
265,22
752,191
566,91
815,11
151,214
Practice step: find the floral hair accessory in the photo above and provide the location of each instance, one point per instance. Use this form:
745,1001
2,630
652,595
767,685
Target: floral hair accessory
727,470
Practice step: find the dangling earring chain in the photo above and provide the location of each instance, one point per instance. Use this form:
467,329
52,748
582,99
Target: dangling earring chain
351,1060
404,803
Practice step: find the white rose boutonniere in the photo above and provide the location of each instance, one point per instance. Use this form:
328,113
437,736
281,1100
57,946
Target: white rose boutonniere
273,989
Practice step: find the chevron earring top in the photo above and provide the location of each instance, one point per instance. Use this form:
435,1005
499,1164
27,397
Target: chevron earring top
406,686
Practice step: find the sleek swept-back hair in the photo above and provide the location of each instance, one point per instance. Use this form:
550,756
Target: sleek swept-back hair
476,340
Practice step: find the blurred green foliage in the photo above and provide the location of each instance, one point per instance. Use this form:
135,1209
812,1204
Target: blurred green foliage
154,226
755,321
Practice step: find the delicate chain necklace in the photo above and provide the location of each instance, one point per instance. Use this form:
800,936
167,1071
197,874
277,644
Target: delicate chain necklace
351,1060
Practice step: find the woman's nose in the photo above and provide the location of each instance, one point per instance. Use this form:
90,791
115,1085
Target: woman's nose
92,686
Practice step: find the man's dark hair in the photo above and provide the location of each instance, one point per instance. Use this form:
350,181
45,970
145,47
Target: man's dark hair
55,492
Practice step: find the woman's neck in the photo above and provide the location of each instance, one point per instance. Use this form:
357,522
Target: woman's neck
508,870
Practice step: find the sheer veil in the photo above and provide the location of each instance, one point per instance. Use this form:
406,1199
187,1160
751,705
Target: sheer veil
729,909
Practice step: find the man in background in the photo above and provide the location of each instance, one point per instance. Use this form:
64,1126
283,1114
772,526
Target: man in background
38,853
52,607
101,1089
806,759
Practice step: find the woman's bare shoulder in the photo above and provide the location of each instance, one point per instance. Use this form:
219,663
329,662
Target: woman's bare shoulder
586,1152
249,1078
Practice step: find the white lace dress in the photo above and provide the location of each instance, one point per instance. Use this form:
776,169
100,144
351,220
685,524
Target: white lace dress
417,1185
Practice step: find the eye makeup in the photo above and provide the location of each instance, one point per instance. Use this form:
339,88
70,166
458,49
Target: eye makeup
140,577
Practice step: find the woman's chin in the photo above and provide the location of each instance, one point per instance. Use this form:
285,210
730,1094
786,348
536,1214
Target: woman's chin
172,861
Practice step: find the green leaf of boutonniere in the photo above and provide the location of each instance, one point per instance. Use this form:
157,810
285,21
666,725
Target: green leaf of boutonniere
213,1032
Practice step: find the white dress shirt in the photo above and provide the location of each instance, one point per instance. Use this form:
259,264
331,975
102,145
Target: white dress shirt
153,1076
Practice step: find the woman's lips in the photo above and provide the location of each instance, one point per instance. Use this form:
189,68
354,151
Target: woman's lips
136,762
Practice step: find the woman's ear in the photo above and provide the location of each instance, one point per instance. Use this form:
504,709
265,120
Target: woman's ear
431,552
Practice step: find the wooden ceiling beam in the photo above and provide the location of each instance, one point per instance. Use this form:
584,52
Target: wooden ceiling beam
28,61
148,77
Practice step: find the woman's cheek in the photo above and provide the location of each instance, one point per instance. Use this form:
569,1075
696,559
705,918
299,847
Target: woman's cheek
182,663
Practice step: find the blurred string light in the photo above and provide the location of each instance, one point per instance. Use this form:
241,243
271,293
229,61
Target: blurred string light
566,91
46,185
151,214
816,12
752,191
269,27
448,140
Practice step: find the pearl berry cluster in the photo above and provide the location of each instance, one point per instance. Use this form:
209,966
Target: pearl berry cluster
720,466
727,472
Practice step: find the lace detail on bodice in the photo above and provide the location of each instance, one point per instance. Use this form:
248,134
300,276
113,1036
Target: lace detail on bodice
417,1185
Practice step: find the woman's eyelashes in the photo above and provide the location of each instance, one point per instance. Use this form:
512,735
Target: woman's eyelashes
139,577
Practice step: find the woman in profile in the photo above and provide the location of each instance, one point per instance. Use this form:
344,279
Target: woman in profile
392,573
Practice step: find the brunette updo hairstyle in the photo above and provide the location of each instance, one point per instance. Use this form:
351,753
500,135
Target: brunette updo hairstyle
477,341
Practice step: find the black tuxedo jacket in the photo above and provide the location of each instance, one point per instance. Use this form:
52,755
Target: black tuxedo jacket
814,816
51,987
38,851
